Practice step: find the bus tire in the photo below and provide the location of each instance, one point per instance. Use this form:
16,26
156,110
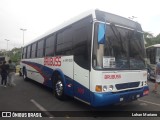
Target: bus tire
59,88
24,74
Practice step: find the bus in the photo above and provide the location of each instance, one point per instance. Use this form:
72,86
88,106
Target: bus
153,57
96,57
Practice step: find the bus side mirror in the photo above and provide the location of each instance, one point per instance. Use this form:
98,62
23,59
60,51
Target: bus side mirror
101,33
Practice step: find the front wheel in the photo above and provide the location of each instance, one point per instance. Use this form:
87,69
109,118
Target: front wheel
59,89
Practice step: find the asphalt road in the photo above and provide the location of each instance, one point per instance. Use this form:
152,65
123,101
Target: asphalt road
30,96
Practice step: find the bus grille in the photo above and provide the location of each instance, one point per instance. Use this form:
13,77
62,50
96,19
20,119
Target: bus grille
127,85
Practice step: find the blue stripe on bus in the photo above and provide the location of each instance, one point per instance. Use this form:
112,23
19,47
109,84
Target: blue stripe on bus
104,99
81,92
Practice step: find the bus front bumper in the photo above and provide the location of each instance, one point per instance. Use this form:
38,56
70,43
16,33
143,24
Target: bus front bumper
104,99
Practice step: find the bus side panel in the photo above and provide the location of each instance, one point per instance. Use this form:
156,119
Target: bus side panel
66,69
37,71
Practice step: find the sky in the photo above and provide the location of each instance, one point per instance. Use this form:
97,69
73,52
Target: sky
39,16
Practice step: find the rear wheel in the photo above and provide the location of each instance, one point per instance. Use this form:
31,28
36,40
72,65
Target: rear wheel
59,88
24,74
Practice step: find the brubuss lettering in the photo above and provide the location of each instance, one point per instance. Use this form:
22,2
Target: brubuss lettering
52,61
116,76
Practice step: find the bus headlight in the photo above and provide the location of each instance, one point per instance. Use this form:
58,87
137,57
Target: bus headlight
145,82
111,88
105,88
142,83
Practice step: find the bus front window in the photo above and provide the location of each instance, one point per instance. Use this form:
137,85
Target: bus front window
123,49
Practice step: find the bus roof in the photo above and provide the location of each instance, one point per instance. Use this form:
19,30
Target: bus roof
155,45
75,19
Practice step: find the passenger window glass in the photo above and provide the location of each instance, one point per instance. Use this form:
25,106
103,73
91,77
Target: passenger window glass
28,51
40,50
50,44
34,50
64,42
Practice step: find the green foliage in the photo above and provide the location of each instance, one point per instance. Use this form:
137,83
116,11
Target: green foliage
150,39
14,54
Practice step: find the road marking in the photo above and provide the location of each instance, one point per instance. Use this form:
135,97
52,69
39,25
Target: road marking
149,102
143,104
41,108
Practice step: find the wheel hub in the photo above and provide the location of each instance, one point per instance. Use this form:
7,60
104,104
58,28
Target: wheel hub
59,88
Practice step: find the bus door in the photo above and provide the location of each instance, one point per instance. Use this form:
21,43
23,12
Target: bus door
82,53
81,83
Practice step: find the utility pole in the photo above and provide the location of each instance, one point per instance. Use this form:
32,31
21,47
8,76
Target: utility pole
7,46
23,30
7,43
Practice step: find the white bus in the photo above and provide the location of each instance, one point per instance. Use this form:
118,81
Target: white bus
153,57
97,58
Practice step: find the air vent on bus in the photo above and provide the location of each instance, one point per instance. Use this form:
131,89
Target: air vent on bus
127,85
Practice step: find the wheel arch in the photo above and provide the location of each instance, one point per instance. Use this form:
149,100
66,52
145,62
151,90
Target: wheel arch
56,73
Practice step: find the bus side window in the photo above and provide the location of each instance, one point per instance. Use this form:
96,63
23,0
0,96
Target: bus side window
33,50
82,35
29,51
64,42
67,42
59,44
40,49
80,39
50,46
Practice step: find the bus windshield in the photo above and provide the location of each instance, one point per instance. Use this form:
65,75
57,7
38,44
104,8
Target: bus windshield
123,49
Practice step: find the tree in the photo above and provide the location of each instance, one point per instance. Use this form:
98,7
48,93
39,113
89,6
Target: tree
15,55
157,39
148,38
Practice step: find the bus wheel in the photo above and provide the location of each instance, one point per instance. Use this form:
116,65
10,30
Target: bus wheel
59,89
